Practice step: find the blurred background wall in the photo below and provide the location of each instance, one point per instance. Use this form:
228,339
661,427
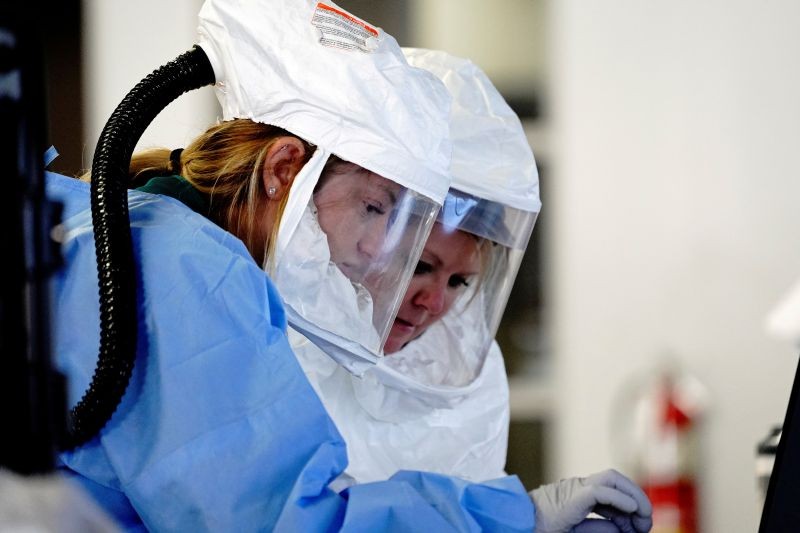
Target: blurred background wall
666,134
122,43
675,222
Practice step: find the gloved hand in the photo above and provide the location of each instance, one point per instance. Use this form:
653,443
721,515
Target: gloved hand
563,506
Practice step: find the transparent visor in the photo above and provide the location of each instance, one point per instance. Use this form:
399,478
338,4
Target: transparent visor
345,268
456,298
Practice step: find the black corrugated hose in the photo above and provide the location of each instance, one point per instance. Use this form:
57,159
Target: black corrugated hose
116,266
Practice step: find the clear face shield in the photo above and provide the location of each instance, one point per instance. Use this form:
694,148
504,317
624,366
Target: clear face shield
347,248
456,298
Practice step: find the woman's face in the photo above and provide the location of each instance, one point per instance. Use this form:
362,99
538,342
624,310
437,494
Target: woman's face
353,208
450,262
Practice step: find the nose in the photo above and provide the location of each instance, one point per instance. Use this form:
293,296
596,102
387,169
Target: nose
432,299
371,241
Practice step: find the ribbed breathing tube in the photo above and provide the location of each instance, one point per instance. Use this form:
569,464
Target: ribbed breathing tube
116,265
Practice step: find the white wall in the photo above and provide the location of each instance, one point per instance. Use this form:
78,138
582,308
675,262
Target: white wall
675,186
125,41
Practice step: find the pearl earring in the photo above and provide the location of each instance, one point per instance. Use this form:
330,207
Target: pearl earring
271,191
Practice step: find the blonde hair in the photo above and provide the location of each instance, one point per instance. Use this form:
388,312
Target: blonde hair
488,261
225,163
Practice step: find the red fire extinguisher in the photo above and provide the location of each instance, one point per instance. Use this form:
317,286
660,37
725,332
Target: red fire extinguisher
665,450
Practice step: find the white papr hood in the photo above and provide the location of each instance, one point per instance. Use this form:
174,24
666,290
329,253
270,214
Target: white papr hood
492,158
343,85
274,63
386,429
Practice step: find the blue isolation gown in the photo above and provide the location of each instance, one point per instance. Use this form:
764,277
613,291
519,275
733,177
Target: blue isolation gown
219,429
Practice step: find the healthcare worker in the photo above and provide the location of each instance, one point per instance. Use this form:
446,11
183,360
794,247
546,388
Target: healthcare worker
438,400
219,428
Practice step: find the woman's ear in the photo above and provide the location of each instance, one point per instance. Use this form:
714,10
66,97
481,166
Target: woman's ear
284,160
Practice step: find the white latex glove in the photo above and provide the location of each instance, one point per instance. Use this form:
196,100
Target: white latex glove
563,506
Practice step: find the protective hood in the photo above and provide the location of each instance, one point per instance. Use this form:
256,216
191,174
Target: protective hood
492,158
334,80
349,238
389,429
494,198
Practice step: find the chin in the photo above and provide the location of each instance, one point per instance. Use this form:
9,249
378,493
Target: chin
391,346
387,351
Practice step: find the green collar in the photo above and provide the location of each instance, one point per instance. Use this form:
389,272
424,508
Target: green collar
179,188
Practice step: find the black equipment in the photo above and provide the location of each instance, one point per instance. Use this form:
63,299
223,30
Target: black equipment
781,513
32,393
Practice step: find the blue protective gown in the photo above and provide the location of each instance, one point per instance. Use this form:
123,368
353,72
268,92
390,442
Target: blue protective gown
219,429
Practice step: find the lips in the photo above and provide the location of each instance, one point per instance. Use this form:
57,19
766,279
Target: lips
350,271
401,333
403,326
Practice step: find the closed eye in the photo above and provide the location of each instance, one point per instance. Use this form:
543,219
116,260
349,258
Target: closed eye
423,268
457,281
373,208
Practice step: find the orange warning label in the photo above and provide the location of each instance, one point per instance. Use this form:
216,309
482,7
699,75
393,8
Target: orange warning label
340,29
